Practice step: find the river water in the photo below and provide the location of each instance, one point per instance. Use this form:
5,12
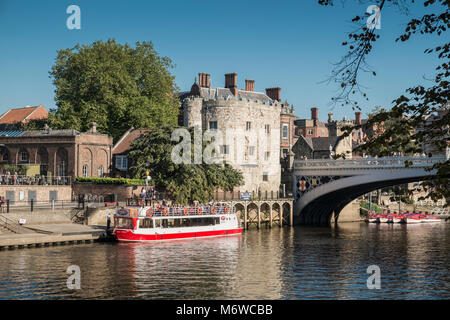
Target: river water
278,263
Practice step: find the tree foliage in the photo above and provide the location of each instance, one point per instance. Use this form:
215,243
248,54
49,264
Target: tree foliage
186,182
406,124
114,85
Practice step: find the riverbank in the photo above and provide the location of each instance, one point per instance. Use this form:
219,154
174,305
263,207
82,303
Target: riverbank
52,234
46,228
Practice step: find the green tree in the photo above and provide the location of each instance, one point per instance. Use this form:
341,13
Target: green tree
185,182
410,110
114,85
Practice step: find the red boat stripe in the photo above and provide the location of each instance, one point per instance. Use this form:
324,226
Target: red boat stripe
130,236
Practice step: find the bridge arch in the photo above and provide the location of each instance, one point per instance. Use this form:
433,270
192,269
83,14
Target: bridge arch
317,205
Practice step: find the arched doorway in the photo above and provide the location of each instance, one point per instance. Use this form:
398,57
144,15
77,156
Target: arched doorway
42,159
61,162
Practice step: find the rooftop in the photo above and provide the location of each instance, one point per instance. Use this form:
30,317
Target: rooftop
23,114
123,145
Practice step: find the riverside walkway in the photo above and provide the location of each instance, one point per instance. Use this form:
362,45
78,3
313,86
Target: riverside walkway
51,234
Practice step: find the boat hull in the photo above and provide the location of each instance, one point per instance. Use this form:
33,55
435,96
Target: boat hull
411,221
425,220
128,235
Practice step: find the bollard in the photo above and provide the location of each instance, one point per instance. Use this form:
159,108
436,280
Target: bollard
53,205
31,205
7,205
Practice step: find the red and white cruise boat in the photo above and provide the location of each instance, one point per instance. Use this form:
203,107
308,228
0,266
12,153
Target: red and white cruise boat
143,224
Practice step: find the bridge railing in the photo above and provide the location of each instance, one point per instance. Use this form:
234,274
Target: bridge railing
368,163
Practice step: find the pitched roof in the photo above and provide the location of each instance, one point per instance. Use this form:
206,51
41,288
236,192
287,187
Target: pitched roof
323,143
123,145
22,114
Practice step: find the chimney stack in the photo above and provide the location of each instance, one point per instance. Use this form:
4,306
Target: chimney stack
358,118
231,82
204,80
249,85
274,93
93,126
330,117
315,115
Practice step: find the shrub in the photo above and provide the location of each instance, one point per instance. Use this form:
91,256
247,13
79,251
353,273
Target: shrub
122,181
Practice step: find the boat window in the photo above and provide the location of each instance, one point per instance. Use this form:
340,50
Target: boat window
124,223
177,223
167,223
187,222
145,223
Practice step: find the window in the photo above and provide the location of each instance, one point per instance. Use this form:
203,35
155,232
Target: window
53,195
100,171
145,223
32,195
124,223
224,149
213,125
310,131
10,195
251,150
85,170
23,156
285,131
121,162
267,128
62,169
265,176
248,126
266,155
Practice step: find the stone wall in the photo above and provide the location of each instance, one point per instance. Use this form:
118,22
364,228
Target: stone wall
123,192
23,194
232,116
350,213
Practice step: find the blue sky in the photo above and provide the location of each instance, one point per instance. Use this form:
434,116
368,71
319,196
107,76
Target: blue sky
290,44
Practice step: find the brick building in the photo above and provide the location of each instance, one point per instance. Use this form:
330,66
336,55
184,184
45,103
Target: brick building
23,115
58,152
311,128
250,124
120,151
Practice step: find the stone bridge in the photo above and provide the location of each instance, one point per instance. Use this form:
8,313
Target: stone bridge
324,187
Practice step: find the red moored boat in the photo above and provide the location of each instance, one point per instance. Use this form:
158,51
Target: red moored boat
171,223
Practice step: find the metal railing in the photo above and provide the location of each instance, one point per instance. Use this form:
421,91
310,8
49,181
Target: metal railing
368,163
180,211
32,205
217,196
12,180
11,225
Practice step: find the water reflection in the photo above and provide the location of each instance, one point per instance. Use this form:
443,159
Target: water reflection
278,263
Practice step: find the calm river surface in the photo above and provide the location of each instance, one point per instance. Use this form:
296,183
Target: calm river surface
286,263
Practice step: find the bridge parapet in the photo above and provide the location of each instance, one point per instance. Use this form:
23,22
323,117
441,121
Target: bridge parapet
368,163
